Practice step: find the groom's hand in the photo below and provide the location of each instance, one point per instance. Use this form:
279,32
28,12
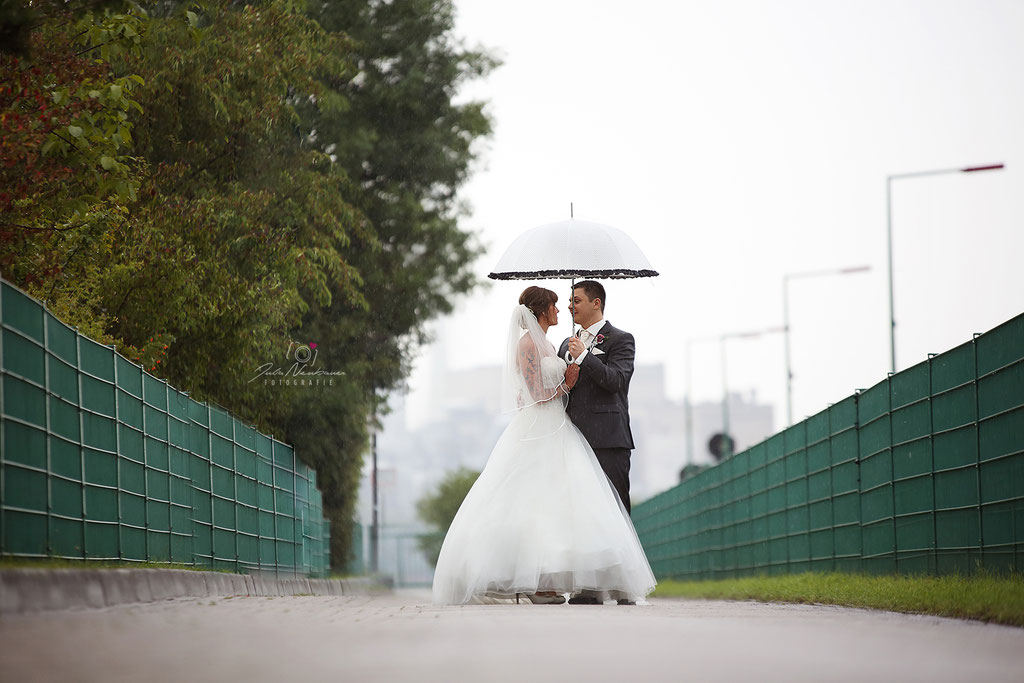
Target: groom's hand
572,373
575,347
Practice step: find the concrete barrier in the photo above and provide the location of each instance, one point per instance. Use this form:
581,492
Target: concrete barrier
238,585
166,584
219,584
120,586
24,591
194,583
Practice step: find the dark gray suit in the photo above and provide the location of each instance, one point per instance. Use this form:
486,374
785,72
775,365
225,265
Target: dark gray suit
599,403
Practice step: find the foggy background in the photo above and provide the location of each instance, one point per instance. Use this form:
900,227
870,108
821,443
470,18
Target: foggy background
735,142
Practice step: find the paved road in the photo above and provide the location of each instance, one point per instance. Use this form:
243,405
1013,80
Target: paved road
400,637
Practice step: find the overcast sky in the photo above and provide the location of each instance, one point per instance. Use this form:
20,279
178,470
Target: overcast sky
740,141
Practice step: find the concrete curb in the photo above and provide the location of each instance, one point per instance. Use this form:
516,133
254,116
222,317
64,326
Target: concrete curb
24,591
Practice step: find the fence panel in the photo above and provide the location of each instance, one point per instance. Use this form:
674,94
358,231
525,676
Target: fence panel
101,460
921,473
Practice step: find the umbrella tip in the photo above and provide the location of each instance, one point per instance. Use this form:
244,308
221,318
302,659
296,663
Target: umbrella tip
570,210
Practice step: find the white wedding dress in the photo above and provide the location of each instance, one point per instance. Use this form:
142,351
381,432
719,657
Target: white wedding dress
541,517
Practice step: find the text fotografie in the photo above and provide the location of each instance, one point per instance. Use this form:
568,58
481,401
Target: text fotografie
267,370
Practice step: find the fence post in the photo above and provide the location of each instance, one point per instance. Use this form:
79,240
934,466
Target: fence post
977,453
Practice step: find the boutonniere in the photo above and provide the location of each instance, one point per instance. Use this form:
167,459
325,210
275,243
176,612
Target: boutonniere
598,339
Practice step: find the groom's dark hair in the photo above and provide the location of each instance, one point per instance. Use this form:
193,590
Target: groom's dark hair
593,290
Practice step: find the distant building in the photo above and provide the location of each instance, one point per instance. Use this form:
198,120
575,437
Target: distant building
659,430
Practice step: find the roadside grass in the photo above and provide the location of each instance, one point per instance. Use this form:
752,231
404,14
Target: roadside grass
985,597
8,562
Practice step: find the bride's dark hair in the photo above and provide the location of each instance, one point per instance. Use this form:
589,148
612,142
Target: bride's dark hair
537,299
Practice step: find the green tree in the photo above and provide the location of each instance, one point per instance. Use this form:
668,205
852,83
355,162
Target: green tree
236,177
408,146
264,224
198,255
253,222
438,508
68,173
20,20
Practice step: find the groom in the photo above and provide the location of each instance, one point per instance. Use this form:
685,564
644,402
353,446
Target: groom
598,403
602,357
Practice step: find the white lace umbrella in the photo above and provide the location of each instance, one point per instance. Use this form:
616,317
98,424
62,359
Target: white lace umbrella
572,250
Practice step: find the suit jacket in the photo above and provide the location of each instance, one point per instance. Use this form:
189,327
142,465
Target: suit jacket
599,403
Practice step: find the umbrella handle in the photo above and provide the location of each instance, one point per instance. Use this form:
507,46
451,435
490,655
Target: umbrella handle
572,288
572,311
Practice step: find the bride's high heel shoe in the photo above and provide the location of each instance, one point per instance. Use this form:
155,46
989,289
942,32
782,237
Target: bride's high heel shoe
542,599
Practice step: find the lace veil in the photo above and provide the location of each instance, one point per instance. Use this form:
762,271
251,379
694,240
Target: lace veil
533,370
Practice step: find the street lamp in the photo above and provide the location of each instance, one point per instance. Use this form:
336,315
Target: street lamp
689,394
375,523
785,322
729,442
888,216
721,339
374,426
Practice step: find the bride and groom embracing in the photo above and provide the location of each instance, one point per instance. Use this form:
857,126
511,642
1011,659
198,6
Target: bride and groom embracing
549,515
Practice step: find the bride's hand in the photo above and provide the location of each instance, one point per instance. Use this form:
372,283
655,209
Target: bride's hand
572,373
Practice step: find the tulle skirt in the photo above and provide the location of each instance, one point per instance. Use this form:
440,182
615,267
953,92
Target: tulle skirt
542,517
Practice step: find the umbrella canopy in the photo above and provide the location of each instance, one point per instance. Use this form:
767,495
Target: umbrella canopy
571,250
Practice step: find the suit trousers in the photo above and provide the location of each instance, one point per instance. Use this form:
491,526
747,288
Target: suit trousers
615,463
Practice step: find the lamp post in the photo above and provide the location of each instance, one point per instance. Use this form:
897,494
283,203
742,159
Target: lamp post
689,395
375,523
725,384
374,426
785,322
888,216
721,339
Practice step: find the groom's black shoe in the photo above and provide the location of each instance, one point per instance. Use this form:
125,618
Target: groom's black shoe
623,601
583,599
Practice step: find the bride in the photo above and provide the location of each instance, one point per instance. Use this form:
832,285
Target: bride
542,519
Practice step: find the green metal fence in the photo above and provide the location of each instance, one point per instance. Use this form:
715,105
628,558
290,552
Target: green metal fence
921,473
100,460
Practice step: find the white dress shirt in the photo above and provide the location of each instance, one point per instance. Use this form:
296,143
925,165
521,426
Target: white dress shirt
587,336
